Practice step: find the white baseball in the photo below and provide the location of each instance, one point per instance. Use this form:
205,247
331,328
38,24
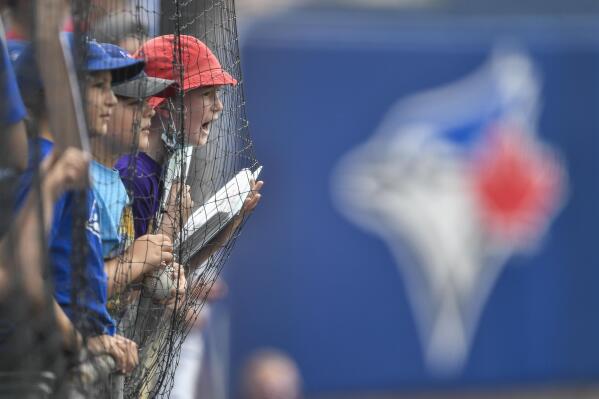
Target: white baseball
159,285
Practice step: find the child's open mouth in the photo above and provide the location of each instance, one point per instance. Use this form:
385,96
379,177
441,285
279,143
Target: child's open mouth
206,127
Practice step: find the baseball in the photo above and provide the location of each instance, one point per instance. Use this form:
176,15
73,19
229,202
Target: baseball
159,285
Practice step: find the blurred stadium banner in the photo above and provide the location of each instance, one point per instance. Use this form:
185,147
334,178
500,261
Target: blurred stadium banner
432,203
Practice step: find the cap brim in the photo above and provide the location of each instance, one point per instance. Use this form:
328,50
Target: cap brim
144,87
216,77
208,78
122,70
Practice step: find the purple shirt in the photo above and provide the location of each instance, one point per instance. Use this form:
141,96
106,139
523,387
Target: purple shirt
142,176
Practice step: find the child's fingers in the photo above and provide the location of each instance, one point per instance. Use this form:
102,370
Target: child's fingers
255,190
74,163
160,238
67,171
181,284
257,186
131,356
188,201
251,202
134,355
129,350
176,271
166,246
174,189
118,354
162,241
167,257
255,199
178,275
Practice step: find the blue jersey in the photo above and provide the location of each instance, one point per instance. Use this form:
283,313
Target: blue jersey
89,314
111,198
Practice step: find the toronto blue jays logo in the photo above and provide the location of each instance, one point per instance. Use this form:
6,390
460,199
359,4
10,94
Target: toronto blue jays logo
456,181
93,223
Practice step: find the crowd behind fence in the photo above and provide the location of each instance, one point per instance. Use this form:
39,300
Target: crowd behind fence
127,173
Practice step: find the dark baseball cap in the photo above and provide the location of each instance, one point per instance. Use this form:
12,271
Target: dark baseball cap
142,85
97,59
122,66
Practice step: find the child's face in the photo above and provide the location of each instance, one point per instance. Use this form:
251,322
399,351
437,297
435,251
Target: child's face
130,115
100,102
202,107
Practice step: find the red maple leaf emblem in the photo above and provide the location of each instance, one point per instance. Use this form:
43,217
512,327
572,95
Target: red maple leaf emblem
519,184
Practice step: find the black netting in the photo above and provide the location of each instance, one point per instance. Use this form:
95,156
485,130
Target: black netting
152,90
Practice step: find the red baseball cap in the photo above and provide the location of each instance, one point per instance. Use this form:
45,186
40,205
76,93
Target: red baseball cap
200,66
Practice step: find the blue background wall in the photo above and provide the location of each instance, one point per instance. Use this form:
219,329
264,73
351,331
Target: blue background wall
305,280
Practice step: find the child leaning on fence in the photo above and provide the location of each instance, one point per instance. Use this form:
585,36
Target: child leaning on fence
24,316
202,79
80,290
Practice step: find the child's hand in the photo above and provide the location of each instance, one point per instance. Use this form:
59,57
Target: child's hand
123,350
253,198
154,251
222,238
67,171
250,203
178,276
179,205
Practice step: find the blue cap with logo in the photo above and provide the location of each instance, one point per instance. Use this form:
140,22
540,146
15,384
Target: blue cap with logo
122,65
96,59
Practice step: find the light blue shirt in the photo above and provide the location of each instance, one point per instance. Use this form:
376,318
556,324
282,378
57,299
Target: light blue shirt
111,198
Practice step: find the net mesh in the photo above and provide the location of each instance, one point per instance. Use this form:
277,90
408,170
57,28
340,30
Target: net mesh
172,167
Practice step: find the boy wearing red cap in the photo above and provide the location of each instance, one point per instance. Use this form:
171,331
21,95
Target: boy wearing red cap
200,79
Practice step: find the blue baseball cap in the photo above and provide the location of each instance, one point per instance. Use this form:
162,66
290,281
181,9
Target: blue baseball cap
123,67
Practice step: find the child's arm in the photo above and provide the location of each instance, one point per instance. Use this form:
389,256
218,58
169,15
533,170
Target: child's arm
221,239
147,254
71,339
177,210
123,350
13,152
62,173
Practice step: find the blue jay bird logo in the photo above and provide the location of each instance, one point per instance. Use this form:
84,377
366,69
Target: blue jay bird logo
455,182
93,223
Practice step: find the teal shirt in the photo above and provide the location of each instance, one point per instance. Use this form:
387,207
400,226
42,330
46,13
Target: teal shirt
111,198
